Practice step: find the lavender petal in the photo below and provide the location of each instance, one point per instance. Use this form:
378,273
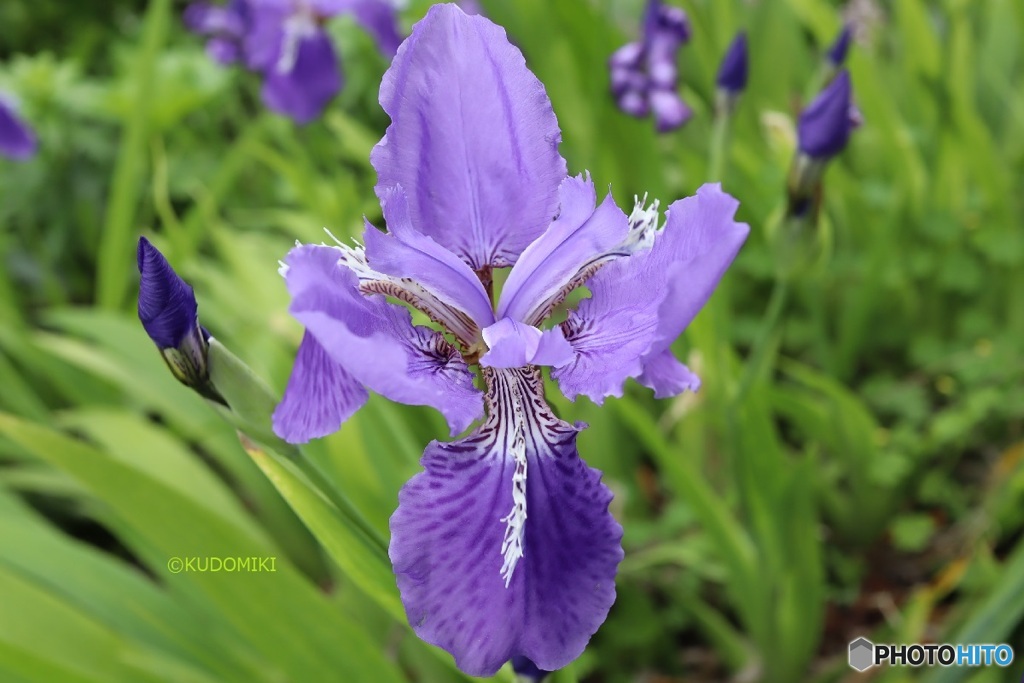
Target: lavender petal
448,533
375,341
579,234
319,397
406,253
473,139
641,304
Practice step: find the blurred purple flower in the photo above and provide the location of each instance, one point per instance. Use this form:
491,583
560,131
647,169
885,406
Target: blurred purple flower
17,139
824,126
836,54
223,25
284,41
732,74
644,74
503,546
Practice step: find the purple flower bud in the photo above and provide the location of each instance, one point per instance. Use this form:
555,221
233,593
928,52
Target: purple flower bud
167,304
824,126
170,316
732,74
528,671
17,140
836,54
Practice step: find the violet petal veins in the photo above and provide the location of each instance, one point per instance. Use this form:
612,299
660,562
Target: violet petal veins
503,546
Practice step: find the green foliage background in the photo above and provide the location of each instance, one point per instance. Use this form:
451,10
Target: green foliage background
852,465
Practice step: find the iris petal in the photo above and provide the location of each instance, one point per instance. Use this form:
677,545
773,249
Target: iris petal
641,304
513,344
319,397
473,139
580,233
406,253
375,341
448,532
303,89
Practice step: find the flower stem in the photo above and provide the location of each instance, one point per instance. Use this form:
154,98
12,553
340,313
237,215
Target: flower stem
719,145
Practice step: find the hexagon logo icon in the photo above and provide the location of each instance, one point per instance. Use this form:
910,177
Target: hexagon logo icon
862,654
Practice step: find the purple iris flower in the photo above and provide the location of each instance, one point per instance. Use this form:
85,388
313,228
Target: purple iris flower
170,315
285,41
17,139
645,74
824,127
732,74
836,54
503,547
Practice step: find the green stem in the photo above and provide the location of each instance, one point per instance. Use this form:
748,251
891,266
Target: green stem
719,146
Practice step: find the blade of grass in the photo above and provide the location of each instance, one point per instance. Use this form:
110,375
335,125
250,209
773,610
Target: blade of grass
115,254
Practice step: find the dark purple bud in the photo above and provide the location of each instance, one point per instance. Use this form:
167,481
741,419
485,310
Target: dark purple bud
732,74
824,126
170,316
526,670
836,54
167,304
17,140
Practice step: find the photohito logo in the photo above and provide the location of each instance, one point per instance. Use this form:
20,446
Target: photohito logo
864,654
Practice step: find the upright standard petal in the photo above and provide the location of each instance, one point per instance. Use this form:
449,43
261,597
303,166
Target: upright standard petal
319,397
473,139
641,304
375,341
504,546
406,253
302,88
17,140
554,259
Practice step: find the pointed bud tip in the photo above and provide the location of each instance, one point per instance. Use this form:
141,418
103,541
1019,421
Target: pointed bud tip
732,75
836,54
167,305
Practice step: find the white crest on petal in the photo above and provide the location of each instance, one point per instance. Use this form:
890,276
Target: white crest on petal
515,520
643,223
297,27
